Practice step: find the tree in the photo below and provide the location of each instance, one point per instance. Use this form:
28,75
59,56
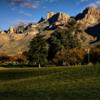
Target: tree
69,56
62,38
54,46
38,52
95,55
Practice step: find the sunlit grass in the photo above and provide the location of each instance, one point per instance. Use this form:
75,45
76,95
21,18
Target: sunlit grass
53,83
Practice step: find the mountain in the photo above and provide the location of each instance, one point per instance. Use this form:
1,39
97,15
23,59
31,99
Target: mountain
57,18
89,17
85,26
94,30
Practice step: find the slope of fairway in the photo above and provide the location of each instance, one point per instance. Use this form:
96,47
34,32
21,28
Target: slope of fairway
62,83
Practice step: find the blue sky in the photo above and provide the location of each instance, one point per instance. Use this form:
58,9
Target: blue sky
13,12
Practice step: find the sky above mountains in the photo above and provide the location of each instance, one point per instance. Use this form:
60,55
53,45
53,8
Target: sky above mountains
13,12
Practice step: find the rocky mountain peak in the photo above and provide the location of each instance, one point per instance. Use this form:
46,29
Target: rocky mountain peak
49,15
11,30
90,10
89,17
57,18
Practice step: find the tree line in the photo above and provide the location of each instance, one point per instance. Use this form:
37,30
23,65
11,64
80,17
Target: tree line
62,48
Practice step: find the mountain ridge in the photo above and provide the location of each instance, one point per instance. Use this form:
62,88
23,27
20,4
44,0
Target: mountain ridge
16,40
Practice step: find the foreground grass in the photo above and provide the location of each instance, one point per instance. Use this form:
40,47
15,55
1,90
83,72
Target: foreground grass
62,83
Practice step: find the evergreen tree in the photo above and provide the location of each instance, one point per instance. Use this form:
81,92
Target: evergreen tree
38,51
62,38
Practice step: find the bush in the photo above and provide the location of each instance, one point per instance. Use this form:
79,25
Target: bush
69,56
38,51
95,55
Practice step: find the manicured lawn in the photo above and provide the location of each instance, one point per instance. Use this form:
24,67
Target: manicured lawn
52,83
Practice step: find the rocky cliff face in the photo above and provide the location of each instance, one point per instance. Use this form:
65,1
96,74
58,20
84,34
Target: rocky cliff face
89,21
89,17
50,14
13,43
57,18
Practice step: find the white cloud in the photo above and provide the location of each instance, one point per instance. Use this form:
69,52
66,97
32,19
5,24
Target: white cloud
83,0
21,4
95,4
24,13
51,1
30,5
25,3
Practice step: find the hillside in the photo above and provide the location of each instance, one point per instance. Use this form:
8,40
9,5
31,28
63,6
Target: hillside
16,40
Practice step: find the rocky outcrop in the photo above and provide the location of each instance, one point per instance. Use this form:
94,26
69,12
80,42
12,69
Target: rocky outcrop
89,17
94,30
11,30
12,43
57,18
41,20
50,14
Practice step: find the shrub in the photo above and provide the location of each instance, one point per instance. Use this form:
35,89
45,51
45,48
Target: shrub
95,55
69,57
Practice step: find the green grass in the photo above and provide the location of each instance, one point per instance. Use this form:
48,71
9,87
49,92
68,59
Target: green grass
52,83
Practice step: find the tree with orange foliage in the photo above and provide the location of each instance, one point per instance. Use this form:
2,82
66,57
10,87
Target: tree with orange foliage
69,56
